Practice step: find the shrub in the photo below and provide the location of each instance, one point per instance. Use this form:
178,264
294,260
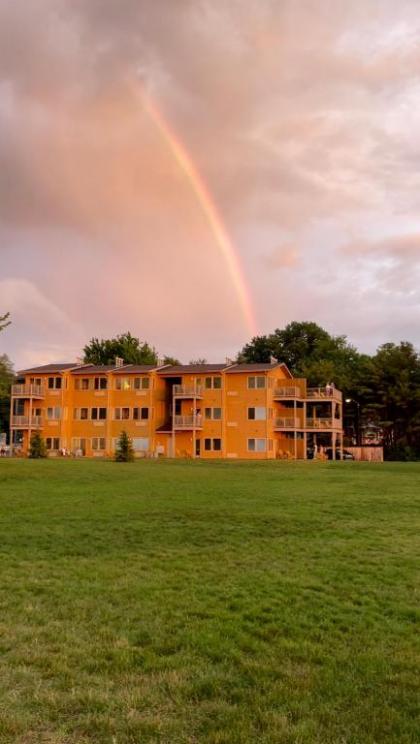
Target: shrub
124,451
37,448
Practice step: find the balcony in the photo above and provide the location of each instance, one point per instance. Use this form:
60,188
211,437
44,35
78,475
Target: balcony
28,391
320,393
287,423
323,423
188,422
187,391
287,392
24,422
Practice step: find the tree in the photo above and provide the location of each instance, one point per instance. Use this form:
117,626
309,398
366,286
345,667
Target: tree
6,378
308,351
124,451
37,448
4,321
393,398
198,361
125,346
170,360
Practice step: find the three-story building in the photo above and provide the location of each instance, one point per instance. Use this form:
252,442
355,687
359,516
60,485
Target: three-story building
249,411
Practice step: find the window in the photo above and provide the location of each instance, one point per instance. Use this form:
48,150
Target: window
52,443
140,414
141,444
98,414
213,445
123,383
213,413
213,382
82,383
122,414
98,444
141,383
54,413
54,383
256,445
256,382
257,414
79,445
81,414
101,383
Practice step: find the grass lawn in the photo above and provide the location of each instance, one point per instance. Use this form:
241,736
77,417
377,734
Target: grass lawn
209,602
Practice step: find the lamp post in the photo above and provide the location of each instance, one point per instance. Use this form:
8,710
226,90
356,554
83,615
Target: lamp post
357,423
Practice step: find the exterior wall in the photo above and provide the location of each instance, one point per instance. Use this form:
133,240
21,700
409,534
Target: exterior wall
235,435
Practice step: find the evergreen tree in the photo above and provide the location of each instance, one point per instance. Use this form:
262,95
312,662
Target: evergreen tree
37,448
124,451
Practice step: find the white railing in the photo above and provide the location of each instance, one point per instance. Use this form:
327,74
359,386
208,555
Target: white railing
287,423
187,422
26,422
28,391
324,394
287,392
192,391
323,423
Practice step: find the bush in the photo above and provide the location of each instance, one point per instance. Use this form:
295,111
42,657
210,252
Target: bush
124,451
37,448
401,452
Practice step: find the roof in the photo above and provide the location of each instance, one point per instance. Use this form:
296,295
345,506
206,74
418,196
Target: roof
182,369
257,367
136,368
90,369
48,368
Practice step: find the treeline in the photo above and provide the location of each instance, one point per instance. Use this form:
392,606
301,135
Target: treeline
382,390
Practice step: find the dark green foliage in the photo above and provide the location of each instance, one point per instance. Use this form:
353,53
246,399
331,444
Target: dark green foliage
209,603
6,377
37,448
125,346
170,360
124,451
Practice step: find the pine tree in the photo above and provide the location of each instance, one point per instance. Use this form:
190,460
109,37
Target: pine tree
37,448
124,451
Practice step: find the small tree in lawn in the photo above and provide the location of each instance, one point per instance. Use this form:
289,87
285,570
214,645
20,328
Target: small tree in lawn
37,448
124,451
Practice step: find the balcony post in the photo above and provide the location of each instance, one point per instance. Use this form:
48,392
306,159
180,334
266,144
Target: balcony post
294,429
194,423
173,425
30,421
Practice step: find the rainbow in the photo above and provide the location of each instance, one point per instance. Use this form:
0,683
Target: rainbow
204,198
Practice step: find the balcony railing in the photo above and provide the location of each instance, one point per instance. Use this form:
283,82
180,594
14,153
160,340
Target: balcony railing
28,391
187,391
321,393
287,392
24,422
188,422
287,423
323,423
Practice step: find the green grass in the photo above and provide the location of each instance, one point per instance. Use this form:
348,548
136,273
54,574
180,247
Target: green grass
219,603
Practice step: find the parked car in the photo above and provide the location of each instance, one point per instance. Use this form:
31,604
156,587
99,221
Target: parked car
346,454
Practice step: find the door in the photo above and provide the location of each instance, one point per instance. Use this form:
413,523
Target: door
197,447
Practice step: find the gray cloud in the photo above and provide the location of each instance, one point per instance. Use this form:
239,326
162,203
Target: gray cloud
303,119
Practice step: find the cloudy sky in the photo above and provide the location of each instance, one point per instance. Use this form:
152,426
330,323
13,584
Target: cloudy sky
302,118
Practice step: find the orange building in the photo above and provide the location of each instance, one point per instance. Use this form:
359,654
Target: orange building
249,411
